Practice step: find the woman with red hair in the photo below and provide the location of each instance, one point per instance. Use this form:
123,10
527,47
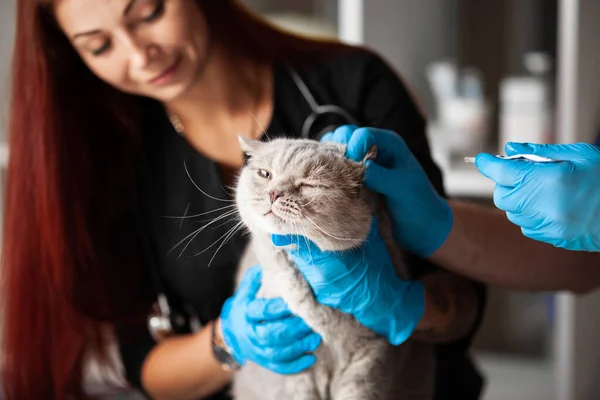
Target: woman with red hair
125,113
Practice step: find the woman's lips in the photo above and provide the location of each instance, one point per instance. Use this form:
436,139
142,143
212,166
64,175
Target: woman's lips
167,74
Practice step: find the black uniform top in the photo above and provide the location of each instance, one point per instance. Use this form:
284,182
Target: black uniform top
360,82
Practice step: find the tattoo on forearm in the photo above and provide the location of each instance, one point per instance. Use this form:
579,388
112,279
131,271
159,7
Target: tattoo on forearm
453,307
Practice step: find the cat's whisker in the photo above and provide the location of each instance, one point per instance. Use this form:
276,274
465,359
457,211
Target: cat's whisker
230,234
234,219
232,190
305,236
262,128
324,231
200,190
217,241
226,214
197,231
315,197
198,215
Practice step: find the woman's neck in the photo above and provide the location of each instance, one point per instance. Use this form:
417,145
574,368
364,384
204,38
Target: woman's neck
230,88
233,96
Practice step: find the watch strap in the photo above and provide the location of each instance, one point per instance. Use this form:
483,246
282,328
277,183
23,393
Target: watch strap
221,351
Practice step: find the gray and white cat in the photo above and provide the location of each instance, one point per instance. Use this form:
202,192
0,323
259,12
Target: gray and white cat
297,186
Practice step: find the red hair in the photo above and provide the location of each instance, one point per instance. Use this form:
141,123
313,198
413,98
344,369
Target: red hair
71,253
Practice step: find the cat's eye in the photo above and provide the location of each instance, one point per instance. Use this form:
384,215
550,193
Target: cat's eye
263,173
312,185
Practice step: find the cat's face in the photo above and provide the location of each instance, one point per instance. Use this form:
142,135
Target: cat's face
293,186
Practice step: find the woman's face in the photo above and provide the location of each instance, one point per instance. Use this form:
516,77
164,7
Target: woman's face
153,48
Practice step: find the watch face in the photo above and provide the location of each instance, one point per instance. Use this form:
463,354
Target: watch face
225,358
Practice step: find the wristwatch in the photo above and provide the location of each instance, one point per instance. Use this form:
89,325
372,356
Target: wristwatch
221,351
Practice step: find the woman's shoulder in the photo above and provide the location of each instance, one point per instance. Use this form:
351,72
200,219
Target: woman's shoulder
360,80
355,63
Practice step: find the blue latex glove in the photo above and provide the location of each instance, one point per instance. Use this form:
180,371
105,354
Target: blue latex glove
361,282
556,203
422,218
264,331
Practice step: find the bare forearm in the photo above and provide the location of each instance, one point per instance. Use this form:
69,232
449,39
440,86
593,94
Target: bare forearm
485,246
184,368
451,307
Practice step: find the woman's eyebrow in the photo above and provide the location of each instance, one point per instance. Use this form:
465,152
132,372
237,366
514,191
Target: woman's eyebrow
126,11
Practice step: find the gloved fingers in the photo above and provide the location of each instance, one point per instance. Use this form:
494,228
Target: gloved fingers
504,172
381,179
328,137
340,135
359,144
343,134
506,199
291,367
391,147
522,220
543,236
302,245
555,151
259,310
250,283
292,351
277,333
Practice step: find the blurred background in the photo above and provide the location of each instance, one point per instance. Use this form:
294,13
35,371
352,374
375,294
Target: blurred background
484,72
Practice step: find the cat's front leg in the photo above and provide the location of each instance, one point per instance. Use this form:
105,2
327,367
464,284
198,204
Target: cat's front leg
301,300
367,375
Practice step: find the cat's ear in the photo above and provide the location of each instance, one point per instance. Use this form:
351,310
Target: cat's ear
371,154
248,145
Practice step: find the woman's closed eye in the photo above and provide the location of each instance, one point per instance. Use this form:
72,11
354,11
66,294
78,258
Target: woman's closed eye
101,49
147,15
155,12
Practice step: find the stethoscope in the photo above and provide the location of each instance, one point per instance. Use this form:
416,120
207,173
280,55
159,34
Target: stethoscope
318,111
164,321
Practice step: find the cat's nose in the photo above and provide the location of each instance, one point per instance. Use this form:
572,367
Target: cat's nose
275,196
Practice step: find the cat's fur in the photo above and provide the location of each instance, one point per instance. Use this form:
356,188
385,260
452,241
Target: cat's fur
335,213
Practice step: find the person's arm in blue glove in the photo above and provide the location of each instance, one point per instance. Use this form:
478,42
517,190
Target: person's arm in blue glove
556,203
472,240
264,331
363,282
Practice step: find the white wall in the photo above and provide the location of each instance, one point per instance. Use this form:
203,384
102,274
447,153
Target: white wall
410,34
7,10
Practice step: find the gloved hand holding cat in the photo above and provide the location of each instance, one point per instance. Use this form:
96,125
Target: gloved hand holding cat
422,218
264,331
363,282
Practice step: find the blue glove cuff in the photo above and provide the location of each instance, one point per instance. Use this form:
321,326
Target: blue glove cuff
398,319
427,235
442,227
228,338
408,312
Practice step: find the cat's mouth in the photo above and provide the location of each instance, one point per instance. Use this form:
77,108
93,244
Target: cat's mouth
272,214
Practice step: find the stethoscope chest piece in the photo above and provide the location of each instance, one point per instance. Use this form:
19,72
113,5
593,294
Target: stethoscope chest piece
159,326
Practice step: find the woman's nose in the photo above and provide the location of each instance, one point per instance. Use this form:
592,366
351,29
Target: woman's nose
141,51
